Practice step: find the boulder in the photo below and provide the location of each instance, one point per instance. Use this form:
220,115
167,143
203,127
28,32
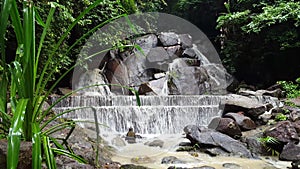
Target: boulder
251,107
188,81
225,125
244,122
283,131
169,39
296,125
171,160
157,87
93,77
290,152
210,138
116,73
255,146
174,51
158,58
146,43
186,41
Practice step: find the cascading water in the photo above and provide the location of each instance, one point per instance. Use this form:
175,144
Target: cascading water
157,115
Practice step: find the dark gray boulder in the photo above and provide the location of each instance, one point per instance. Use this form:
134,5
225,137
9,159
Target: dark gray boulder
290,152
211,138
283,131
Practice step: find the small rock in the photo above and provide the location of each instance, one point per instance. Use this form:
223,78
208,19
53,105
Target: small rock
155,143
189,53
142,160
171,160
118,141
131,166
231,166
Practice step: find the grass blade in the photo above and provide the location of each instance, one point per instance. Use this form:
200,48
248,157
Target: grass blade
36,149
50,161
68,154
16,22
14,136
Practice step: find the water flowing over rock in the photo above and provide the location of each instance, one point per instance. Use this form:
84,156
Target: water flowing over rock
158,114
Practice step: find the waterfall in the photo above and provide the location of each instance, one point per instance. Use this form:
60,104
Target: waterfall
156,115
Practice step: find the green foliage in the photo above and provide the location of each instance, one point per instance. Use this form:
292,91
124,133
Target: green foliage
280,117
292,89
268,142
255,33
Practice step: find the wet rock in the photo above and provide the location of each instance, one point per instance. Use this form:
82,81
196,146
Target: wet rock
290,152
216,151
189,53
155,143
186,41
283,131
244,122
206,138
226,125
171,160
274,93
118,141
255,146
142,160
24,155
169,39
251,107
132,166
206,167
193,132
203,167
231,166
130,140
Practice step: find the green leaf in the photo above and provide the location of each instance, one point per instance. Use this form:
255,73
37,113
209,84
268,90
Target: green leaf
16,22
50,161
15,133
68,154
36,149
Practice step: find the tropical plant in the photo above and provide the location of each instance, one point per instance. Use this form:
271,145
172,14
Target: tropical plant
25,89
292,89
260,39
280,117
268,142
